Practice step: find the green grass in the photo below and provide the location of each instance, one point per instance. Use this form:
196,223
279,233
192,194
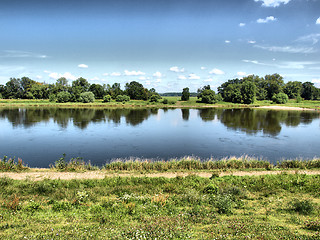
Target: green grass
256,207
173,102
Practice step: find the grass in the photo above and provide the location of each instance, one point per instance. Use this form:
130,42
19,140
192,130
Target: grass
256,207
183,164
172,102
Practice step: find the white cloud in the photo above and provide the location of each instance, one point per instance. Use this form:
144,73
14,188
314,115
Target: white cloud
83,66
21,54
142,78
316,82
193,76
158,74
208,80
133,73
115,74
216,71
251,61
176,69
158,80
318,20
287,49
105,74
181,77
266,20
39,77
252,42
203,68
95,79
242,24
241,74
148,82
46,71
66,75
272,3
314,38
227,41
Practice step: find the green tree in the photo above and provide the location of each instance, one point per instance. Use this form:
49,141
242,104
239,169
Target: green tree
293,89
97,90
208,96
14,88
309,91
248,92
280,98
136,91
185,94
63,97
274,84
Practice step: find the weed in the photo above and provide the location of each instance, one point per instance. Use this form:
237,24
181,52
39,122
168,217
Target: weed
301,206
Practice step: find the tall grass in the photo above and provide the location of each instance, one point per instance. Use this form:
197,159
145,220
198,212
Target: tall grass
11,164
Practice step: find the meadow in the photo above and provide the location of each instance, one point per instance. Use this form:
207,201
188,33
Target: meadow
284,206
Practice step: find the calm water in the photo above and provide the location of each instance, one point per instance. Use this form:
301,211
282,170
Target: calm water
41,136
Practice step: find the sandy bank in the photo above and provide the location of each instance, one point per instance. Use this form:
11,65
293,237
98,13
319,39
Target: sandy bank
40,175
286,108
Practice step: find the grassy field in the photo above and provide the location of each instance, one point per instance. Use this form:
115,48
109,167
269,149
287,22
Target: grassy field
284,206
172,102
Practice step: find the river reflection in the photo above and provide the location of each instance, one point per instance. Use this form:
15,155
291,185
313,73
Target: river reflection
41,135
250,121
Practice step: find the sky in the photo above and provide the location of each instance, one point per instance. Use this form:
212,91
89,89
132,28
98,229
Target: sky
163,44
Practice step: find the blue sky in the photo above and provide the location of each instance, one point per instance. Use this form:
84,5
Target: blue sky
165,44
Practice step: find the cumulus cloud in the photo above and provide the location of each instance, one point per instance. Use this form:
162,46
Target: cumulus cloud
287,49
142,78
316,82
82,66
158,74
193,76
203,68
242,24
182,77
241,74
133,73
66,75
272,3
115,74
208,80
46,71
176,69
318,20
216,71
252,42
266,20
227,41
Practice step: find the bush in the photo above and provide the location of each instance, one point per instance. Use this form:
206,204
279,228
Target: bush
52,98
87,97
223,203
280,98
122,98
0,96
299,99
154,98
165,101
107,98
63,97
301,206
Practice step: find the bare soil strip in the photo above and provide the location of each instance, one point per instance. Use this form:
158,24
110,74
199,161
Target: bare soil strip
41,175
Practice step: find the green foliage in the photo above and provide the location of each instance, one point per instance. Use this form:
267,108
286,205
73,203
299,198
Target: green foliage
280,98
211,189
97,90
309,91
11,165
122,98
52,98
63,97
165,101
87,97
74,164
185,94
301,206
312,225
293,89
136,91
248,92
223,203
154,98
107,98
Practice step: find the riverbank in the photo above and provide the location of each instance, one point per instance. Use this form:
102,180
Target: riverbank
175,103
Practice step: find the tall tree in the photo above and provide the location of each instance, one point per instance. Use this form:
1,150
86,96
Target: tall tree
136,91
185,94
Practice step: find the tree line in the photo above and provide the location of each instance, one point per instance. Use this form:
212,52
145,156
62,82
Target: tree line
80,90
253,87
245,90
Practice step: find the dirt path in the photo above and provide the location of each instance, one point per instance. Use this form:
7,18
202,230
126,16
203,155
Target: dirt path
43,174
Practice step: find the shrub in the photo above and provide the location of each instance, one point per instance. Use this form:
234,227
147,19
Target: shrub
87,97
211,189
280,98
52,98
172,102
301,206
223,203
122,98
299,99
165,101
63,97
107,98
154,98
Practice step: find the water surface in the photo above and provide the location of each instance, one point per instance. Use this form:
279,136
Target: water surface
41,135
